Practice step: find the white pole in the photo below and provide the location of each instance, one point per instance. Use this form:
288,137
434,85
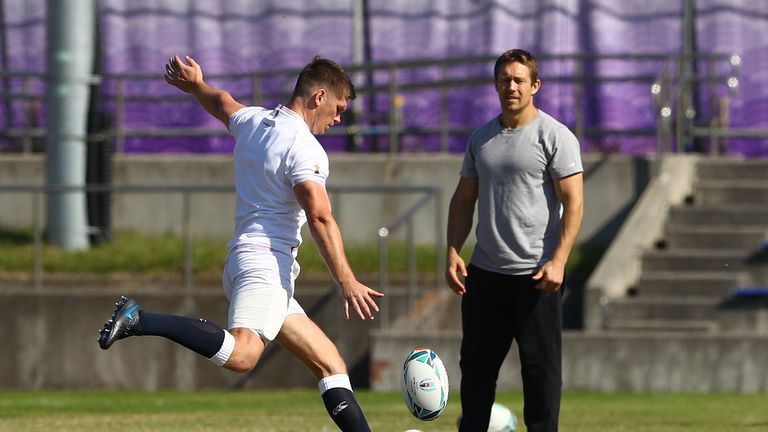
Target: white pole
70,59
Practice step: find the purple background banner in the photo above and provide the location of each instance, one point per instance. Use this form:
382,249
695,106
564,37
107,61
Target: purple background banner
242,36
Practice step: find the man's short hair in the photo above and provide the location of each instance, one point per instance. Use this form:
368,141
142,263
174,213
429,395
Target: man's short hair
327,74
517,56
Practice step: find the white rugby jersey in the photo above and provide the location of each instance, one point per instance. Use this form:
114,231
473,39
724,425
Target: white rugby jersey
274,151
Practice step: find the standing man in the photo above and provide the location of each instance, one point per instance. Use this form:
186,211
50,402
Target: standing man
524,170
280,172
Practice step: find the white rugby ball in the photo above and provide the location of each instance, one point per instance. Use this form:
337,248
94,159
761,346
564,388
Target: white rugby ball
424,384
502,419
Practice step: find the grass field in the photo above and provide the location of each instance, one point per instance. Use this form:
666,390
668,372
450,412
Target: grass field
157,254
301,410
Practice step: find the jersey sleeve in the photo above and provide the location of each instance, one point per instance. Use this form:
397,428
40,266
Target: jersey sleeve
241,118
307,161
468,168
566,155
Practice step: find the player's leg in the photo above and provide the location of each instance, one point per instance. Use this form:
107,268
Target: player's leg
539,340
259,286
258,304
304,339
485,342
248,348
196,334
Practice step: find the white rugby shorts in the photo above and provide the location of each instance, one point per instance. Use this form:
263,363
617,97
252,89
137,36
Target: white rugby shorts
259,281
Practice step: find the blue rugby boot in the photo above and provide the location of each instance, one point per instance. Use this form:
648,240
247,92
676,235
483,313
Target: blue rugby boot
124,323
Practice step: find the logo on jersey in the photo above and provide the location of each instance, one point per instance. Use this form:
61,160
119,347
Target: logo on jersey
317,168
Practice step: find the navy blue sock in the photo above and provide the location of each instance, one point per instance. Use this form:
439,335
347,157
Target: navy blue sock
344,410
199,335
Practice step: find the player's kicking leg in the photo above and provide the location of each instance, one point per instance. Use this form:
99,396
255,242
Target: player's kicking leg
198,335
304,339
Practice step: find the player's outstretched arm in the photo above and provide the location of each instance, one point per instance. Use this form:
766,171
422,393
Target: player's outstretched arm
313,198
188,77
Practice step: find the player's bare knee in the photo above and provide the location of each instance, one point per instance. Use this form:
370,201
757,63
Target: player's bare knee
241,363
331,366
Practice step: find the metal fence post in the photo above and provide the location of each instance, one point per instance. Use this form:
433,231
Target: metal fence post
411,254
256,89
439,245
444,138
384,277
579,85
26,141
395,104
119,116
187,232
37,247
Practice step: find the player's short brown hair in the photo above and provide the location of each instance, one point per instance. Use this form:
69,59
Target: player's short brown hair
324,73
517,56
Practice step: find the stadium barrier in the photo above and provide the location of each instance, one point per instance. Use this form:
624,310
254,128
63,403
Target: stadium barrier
395,110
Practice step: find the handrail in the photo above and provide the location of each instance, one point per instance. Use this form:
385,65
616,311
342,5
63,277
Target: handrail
406,218
392,89
672,95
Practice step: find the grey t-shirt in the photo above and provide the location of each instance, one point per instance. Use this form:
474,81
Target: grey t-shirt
519,214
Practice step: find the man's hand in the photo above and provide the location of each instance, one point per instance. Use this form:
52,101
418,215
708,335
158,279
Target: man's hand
186,77
455,267
550,276
361,299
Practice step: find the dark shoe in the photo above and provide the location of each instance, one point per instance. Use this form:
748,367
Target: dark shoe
124,323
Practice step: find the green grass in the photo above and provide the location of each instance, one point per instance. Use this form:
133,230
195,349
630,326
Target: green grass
155,254
129,252
301,410
132,252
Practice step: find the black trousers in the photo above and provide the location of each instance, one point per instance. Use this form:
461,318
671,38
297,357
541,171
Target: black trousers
497,309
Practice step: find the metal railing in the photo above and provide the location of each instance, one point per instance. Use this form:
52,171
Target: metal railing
390,81
406,219
673,93
38,192
426,195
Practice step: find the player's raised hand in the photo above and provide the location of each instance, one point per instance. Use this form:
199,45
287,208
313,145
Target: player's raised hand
360,298
186,77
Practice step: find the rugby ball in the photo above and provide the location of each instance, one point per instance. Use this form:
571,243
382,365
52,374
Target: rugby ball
424,384
502,419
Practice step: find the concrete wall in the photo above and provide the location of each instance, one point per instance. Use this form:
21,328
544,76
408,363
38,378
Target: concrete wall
612,185
49,341
639,362
601,361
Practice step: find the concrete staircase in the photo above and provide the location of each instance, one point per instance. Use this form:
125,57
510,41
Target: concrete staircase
702,256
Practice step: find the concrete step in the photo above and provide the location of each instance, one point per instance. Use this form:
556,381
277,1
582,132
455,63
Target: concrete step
748,237
664,308
737,192
694,260
662,325
752,215
732,169
683,284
